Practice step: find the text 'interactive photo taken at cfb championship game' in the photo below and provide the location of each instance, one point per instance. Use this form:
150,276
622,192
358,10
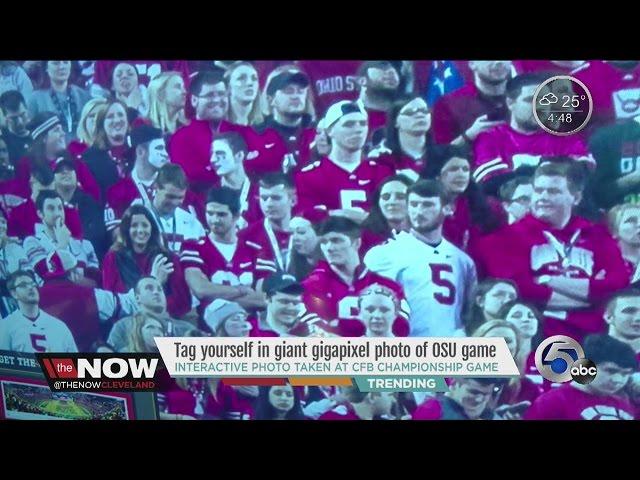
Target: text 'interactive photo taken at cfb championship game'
319,240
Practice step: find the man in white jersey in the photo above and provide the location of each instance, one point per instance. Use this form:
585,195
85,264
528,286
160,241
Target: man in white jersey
437,277
30,329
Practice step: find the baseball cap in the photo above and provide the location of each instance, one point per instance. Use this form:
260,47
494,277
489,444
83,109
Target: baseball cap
340,109
219,310
282,282
64,162
283,79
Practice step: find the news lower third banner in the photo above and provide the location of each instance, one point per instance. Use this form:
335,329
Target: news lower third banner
372,364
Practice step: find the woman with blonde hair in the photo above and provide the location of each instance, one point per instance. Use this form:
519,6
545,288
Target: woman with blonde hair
244,89
86,131
145,329
167,96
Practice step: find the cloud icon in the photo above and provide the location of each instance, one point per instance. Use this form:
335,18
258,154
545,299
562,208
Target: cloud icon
548,99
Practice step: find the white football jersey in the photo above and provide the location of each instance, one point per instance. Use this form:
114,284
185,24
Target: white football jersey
44,334
437,281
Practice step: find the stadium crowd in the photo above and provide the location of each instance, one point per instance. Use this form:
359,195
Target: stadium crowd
141,199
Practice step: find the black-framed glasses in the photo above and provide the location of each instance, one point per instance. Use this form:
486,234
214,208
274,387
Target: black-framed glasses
26,285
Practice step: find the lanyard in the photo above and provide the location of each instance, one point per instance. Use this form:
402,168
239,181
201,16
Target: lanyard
162,229
244,196
276,248
563,250
141,187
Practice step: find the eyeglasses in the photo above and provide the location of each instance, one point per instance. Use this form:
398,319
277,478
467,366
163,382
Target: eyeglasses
26,285
415,111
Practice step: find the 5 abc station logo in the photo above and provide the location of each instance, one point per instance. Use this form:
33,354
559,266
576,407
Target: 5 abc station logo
561,359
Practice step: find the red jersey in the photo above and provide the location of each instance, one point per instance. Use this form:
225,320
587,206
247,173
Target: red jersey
332,81
176,288
147,70
327,295
569,403
13,193
279,141
502,150
271,253
377,119
205,255
615,91
325,183
455,112
190,147
531,66
531,248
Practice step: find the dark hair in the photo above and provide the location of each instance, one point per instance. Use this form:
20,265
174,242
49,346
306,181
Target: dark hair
392,138
506,308
207,77
429,188
376,221
514,85
171,173
265,411
270,180
562,167
11,100
602,348
234,140
13,278
508,188
340,225
479,208
101,140
116,65
626,293
225,196
154,245
45,195
475,316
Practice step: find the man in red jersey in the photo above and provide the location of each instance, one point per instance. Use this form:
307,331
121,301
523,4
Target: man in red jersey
218,265
344,180
602,398
270,238
190,146
563,263
332,289
474,108
288,132
519,144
